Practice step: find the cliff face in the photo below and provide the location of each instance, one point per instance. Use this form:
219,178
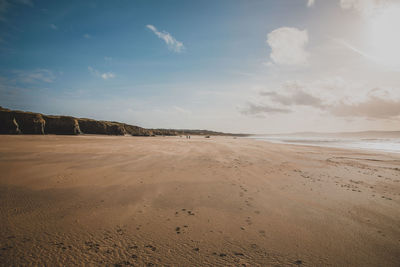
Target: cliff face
16,122
61,125
137,131
113,128
92,126
20,122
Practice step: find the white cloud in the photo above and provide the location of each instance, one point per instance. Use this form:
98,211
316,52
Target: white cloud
35,76
104,76
381,40
54,27
288,46
87,36
366,7
107,75
171,42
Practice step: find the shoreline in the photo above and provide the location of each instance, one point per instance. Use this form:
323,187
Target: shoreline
372,150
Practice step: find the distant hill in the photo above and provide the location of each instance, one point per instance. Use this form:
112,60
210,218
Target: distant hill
22,122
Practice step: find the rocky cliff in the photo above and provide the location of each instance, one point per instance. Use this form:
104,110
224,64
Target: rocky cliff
21,122
17,122
61,125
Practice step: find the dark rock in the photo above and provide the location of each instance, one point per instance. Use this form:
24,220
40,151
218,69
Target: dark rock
61,125
88,126
17,122
115,129
137,131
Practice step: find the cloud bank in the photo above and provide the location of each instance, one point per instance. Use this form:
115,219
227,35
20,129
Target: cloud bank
256,109
374,108
375,104
298,98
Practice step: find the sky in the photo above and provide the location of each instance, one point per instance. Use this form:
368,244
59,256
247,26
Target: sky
249,66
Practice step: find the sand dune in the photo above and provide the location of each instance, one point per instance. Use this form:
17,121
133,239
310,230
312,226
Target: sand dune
137,201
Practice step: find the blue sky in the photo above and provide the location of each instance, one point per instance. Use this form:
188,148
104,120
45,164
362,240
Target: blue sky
248,66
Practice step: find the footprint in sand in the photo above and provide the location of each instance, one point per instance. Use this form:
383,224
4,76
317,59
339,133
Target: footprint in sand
238,254
254,246
151,247
190,212
248,220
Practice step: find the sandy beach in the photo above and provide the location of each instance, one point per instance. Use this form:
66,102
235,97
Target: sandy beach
171,201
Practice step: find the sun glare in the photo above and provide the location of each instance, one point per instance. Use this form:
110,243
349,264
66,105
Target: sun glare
384,36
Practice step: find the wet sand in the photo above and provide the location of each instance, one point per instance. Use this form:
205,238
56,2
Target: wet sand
131,201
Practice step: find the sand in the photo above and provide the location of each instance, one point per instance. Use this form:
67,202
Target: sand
117,201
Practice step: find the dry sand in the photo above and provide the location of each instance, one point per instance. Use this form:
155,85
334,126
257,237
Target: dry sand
99,200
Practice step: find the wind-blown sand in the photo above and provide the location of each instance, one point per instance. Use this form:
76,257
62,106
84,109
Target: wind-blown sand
79,200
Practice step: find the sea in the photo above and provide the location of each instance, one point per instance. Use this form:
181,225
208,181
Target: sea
391,145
